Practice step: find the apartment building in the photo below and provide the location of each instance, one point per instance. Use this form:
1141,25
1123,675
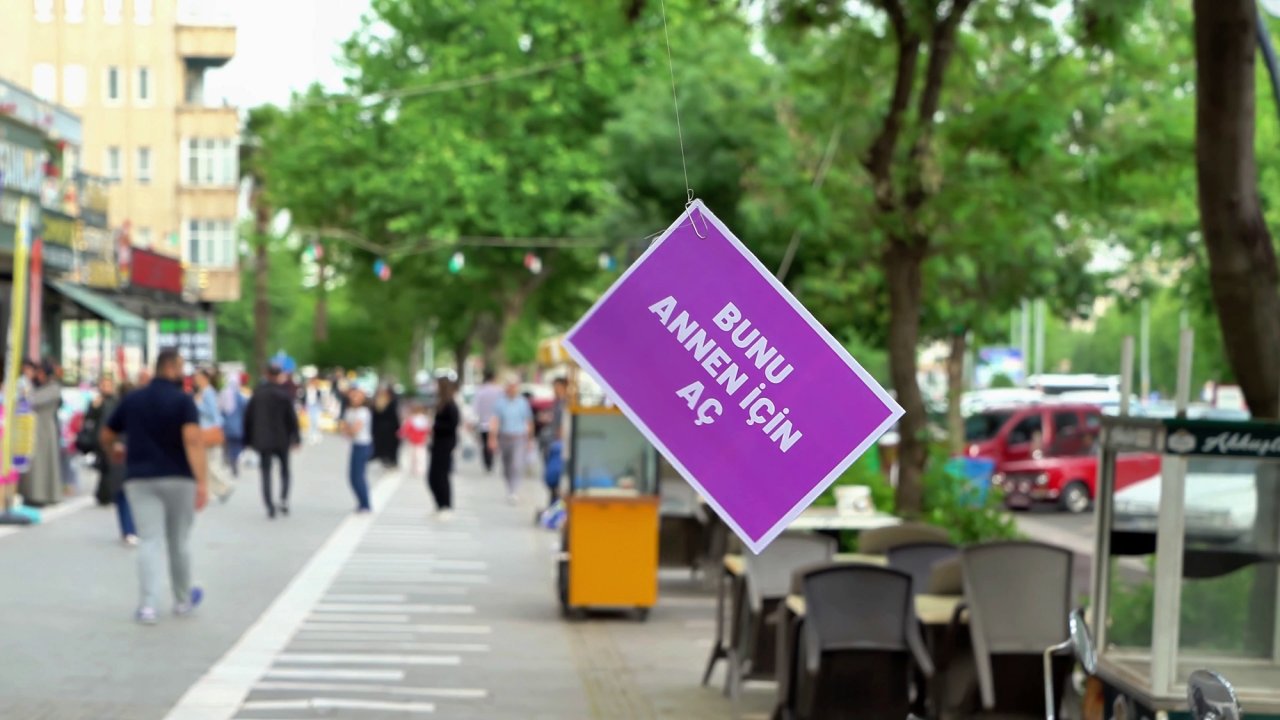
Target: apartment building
134,71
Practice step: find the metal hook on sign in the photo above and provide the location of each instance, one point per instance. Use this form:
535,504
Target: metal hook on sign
700,233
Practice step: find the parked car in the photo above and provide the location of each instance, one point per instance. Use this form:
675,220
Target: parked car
1068,474
1023,432
1221,503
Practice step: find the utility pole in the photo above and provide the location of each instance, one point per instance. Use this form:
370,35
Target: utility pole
1144,349
1025,344
1040,313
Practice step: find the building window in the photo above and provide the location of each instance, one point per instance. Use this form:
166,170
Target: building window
210,162
143,85
44,11
75,10
142,11
144,164
114,165
74,85
113,85
211,243
112,10
44,81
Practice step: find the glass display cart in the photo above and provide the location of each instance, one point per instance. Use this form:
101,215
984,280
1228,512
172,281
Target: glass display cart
1187,563
609,550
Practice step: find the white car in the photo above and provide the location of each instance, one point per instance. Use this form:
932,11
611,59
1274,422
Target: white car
1221,499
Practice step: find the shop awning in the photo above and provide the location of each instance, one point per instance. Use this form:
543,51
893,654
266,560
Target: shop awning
100,306
551,352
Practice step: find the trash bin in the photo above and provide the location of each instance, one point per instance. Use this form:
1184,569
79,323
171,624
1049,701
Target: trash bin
976,474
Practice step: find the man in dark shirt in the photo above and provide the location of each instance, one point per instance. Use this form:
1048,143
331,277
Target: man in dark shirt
271,429
166,480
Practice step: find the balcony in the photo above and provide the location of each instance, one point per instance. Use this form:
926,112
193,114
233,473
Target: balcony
199,121
205,45
209,284
212,203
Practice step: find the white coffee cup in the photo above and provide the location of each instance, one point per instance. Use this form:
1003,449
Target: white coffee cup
853,500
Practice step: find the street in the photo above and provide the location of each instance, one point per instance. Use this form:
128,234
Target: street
328,614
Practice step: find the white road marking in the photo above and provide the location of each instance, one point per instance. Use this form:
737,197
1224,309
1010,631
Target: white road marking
340,704
316,642
311,658
389,564
367,598
422,589
219,694
415,578
392,628
452,693
332,674
358,617
401,608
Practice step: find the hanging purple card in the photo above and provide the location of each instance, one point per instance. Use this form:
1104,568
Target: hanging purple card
730,377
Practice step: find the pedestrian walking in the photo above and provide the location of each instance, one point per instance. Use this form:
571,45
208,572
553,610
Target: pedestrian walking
386,427
271,429
415,430
511,432
314,398
483,406
166,481
234,405
211,419
110,473
357,426
444,438
551,438
42,484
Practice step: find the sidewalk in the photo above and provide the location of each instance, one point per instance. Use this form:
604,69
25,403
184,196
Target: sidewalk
328,614
403,615
69,649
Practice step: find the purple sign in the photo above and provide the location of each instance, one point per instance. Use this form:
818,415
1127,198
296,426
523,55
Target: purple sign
730,377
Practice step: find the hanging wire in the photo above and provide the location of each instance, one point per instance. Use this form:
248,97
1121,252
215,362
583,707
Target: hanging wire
675,100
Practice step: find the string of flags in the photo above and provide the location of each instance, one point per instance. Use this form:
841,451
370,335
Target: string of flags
457,261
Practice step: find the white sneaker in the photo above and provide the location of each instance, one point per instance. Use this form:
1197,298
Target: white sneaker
131,540
444,515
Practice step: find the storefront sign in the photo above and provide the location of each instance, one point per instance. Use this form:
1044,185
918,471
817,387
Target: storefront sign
193,337
60,235
1233,439
22,168
50,119
730,377
101,274
154,271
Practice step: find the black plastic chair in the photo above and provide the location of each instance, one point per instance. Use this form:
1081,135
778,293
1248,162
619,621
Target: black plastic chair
919,560
767,581
1018,596
860,645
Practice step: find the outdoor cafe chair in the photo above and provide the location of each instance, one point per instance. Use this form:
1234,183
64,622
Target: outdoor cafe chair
1017,596
766,584
946,577
878,541
919,560
860,645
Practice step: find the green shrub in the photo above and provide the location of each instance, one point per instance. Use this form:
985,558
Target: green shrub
951,503
1214,613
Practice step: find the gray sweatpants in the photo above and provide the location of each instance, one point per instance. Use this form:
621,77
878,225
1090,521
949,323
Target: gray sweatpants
163,509
513,449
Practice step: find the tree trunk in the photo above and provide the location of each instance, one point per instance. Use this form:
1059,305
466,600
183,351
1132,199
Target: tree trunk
955,388
461,350
1242,260
321,329
261,272
415,350
903,271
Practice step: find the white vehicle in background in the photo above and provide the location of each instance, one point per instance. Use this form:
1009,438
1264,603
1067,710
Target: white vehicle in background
1057,384
976,401
1221,499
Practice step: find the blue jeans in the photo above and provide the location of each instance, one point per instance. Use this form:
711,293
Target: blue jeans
360,455
125,515
234,448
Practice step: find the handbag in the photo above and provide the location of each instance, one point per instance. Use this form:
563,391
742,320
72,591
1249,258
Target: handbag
213,436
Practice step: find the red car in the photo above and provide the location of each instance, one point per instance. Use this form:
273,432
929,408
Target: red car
1071,480
1047,452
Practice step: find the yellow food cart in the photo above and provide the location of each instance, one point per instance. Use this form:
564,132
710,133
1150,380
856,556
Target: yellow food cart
609,541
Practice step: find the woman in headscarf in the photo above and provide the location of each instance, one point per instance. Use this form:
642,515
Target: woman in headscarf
386,427
42,485
110,472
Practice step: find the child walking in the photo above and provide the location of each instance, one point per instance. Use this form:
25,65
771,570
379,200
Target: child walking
415,430
357,425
